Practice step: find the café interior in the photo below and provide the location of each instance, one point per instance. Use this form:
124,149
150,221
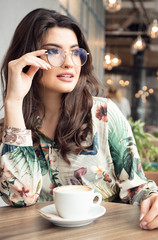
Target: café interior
131,55
123,38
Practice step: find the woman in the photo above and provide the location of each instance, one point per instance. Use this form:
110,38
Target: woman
54,132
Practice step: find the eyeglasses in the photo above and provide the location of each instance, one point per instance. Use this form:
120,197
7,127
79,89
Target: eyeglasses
56,56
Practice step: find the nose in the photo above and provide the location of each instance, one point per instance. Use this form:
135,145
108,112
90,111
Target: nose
68,63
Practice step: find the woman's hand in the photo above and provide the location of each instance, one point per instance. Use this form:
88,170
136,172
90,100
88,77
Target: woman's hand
19,83
149,212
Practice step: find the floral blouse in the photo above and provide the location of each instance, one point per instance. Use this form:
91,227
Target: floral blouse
111,164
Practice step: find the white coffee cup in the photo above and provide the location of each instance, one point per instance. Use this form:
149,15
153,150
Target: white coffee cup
74,201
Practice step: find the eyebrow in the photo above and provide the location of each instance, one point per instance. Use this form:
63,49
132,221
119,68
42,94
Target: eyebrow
59,46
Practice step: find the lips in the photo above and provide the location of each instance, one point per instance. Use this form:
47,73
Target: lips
66,76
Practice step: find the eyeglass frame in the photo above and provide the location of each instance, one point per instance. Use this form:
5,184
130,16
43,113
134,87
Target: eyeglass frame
66,51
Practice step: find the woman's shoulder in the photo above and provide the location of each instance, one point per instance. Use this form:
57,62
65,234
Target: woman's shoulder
99,109
100,100
106,102
108,106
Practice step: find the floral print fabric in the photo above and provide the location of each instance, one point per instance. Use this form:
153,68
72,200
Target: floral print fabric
17,136
111,164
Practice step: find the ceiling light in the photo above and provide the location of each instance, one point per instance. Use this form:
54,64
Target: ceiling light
153,29
111,61
144,88
116,61
108,61
121,82
112,5
124,83
140,92
109,82
143,93
139,44
151,90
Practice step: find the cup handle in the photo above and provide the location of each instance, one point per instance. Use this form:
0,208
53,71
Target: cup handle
99,198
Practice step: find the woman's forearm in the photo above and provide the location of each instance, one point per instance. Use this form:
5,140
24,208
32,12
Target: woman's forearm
13,114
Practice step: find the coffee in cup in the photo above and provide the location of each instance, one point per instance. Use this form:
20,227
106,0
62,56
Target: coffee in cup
74,201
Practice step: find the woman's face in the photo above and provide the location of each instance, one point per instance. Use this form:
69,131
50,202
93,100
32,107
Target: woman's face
61,79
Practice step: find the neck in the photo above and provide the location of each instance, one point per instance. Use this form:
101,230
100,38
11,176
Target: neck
52,105
51,101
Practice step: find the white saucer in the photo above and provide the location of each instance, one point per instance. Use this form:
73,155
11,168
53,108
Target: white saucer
95,212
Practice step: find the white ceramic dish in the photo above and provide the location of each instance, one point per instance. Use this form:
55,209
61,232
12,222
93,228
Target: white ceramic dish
95,212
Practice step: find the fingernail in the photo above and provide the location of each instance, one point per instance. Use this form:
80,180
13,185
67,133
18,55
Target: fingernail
45,68
144,223
143,227
49,66
141,217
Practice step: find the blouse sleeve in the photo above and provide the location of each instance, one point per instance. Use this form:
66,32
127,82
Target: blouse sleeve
20,174
133,185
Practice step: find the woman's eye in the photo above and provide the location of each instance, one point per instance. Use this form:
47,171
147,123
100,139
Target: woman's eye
53,51
76,52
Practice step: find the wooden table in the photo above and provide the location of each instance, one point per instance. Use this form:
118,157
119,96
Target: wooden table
121,221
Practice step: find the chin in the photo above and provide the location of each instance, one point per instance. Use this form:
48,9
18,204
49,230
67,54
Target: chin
68,90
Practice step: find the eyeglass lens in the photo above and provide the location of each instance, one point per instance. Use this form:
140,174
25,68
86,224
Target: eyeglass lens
56,56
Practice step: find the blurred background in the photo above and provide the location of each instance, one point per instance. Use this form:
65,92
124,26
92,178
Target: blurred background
131,35
123,38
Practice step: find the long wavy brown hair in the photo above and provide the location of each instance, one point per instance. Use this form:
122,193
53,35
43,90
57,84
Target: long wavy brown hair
76,121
